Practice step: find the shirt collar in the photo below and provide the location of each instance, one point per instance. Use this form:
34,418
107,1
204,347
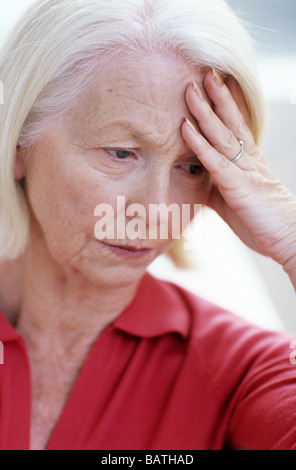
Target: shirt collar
7,331
157,309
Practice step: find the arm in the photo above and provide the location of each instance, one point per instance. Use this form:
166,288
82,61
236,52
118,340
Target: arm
246,194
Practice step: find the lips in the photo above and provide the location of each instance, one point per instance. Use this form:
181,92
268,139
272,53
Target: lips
129,247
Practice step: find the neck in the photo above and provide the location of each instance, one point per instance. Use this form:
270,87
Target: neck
60,308
11,275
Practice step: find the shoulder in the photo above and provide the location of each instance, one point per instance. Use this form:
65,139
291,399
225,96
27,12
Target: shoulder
217,333
212,334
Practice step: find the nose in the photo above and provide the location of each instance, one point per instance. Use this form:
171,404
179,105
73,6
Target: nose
152,187
151,198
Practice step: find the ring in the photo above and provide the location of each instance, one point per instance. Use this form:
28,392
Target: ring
235,159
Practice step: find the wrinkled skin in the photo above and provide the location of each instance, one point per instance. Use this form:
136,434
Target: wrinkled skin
69,286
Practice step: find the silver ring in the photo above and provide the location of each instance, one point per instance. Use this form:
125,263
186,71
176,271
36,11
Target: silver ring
235,159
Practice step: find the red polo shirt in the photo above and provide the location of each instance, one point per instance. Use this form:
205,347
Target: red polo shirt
172,372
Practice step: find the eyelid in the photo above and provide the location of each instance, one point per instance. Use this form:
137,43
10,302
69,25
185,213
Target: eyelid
120,149
193,176
190,160
193,160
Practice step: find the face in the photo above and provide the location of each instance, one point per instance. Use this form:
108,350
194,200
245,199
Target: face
122,138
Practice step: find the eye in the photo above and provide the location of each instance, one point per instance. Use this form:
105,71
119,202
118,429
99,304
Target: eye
120,154
193,169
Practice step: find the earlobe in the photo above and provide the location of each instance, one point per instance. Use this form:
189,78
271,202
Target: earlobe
19,164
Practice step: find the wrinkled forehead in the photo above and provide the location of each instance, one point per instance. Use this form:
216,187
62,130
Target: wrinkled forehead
146,92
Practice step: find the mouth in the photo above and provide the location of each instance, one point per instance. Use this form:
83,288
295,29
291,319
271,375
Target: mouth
129,250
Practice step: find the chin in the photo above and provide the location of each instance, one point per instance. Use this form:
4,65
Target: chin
111,276
109,267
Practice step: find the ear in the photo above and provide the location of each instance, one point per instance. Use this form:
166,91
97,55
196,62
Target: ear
19,164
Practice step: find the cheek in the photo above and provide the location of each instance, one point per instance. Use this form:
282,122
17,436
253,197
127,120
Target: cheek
205,190
196,202
62,202
194,191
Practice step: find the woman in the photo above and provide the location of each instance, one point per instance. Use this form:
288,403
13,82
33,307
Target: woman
153,101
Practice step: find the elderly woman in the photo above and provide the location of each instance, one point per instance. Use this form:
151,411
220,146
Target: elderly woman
155,101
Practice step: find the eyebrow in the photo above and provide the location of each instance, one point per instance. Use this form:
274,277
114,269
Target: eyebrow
134,132
144,137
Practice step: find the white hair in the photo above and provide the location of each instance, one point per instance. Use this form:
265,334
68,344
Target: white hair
52,54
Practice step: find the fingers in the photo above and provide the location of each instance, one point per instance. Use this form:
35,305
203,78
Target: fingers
239,99
229,104
224,172
223,124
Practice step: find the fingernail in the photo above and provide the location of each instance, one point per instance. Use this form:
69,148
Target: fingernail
217,78
198,90
191,125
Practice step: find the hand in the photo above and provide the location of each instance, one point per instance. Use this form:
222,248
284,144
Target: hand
246,194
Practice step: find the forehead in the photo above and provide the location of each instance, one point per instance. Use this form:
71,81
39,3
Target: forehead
146,92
